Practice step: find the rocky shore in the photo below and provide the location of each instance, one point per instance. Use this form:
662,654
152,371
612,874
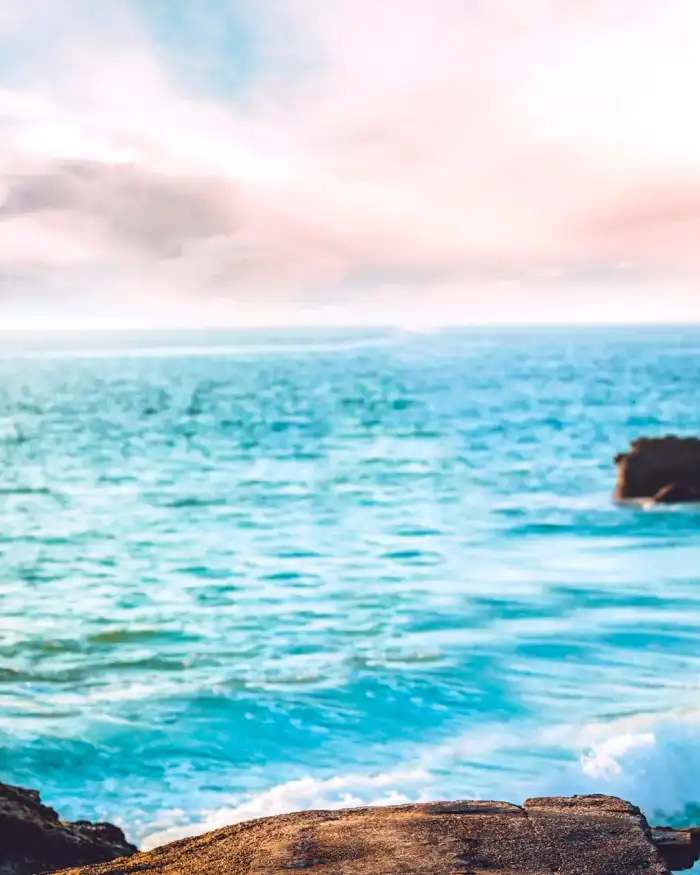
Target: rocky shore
34,839
588,835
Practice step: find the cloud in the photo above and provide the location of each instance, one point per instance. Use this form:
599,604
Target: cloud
153,214
299,152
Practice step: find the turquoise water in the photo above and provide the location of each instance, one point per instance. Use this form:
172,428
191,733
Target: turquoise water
244,574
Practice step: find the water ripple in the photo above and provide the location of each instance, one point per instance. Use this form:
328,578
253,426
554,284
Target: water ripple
236,573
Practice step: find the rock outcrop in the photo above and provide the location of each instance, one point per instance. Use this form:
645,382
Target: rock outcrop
589,835
680,848
33,839
665,470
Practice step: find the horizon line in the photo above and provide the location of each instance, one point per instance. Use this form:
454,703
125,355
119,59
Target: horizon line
388,327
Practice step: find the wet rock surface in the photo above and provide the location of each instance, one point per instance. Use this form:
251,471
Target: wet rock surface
590,835
665,470
33,839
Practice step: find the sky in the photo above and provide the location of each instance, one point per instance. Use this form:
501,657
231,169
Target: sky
417,162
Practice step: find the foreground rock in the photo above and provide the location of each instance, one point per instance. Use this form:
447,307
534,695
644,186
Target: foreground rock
33,839
590,835
665,470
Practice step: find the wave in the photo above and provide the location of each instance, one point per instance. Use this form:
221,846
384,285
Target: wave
651,760
25,490
241,350
303,794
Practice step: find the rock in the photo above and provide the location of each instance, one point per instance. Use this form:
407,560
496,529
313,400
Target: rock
665,470
676,494
680,848
33,839
588,835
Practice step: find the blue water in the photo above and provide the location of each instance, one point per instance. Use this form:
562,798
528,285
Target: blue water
247,573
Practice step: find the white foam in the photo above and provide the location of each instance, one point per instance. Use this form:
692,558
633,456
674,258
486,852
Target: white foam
604,761
343,791
650,760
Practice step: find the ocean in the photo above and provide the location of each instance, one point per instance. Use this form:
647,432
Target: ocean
248,573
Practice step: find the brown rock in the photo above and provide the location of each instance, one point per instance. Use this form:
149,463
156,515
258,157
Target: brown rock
33,839
589,835
666,470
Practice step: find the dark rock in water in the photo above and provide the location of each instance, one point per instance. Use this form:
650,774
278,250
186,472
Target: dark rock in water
675,494
680,848
589,835
33,839
665,470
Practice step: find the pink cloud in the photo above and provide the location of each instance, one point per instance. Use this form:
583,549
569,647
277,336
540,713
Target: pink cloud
467,147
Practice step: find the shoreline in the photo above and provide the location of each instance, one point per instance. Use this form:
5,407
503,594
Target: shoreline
598,835
601,835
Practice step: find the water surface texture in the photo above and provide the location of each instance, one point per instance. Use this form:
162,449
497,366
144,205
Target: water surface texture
247,573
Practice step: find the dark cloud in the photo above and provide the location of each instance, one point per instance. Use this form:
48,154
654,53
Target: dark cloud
152,212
